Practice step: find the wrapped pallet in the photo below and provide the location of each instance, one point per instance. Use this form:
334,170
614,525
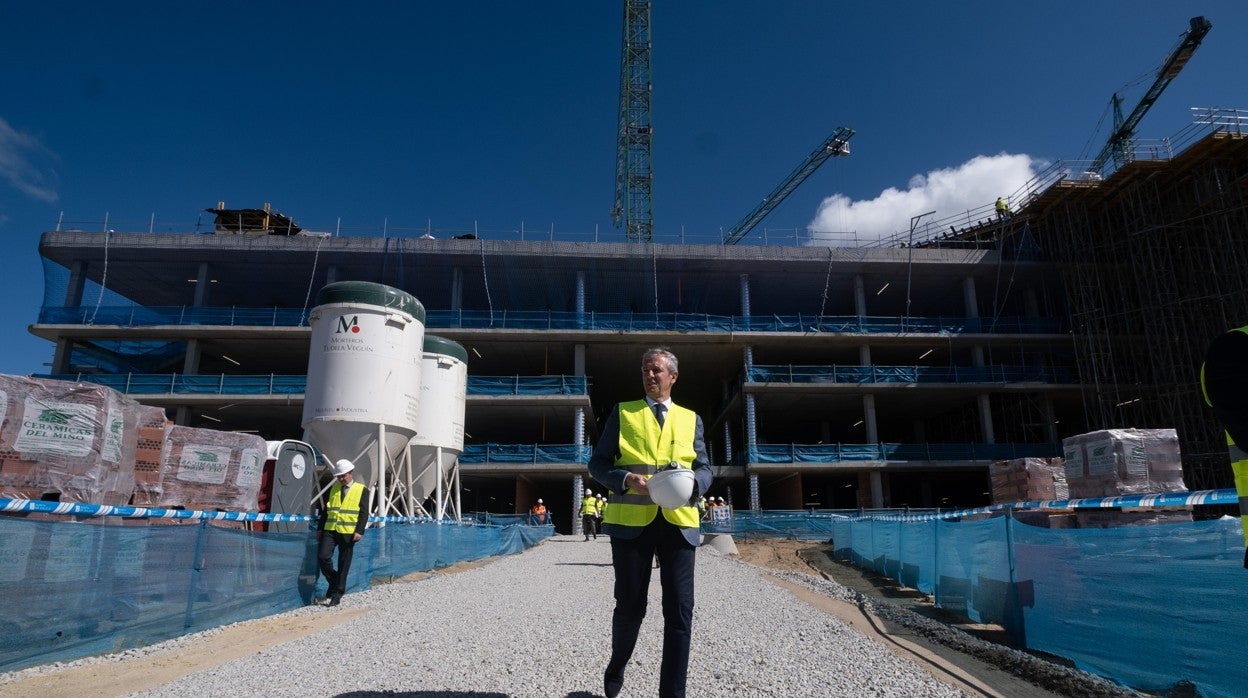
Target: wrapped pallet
1027,480
72,442
1116,462
209,469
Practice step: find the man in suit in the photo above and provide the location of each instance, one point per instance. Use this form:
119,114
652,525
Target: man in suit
639,438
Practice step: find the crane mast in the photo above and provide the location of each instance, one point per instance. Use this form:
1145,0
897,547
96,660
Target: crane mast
633,178
836,144
1119,145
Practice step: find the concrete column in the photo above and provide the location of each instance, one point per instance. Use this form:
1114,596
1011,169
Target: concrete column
201,286
877,489
745,295
985,418
727,443
77,280
969,297
332,274
754,503
580,292
578,496
868,418
60,359
578,369
860,296
190,364
457,289
751,429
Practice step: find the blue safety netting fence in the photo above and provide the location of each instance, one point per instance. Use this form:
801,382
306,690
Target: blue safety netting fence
92,582
910,374
835,453
274,384
138,316
1150,606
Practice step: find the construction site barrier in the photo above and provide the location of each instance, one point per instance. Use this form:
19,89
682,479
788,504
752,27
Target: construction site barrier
837,453
144,316
95,579
1154,602
273,384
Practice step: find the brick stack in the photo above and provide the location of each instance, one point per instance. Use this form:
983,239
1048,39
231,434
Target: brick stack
209,469
72,442
1031,480
1118,462
148,474
1028,480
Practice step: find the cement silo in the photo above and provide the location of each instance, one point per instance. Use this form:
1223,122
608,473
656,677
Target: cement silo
439,438
363,371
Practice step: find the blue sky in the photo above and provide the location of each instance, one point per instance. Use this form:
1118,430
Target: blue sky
501,115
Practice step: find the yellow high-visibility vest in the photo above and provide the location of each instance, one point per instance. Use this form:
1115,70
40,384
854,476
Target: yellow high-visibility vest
343,513
1239,458
588,506
644,448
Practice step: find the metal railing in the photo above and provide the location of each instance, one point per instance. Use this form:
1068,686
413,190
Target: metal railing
139,316
273,384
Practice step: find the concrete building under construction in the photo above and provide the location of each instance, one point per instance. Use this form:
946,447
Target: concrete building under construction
827,377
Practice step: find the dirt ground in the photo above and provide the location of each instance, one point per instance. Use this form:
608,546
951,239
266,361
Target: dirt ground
977,675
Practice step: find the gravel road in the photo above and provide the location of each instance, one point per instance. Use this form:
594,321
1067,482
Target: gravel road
538,624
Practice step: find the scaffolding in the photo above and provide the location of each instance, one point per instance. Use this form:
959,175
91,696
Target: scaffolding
1153,262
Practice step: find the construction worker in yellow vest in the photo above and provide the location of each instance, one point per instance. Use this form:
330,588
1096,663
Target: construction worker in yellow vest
638,440
341,526
1224,380
589,515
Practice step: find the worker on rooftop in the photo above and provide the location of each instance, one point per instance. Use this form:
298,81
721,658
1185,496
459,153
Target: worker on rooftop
1003,208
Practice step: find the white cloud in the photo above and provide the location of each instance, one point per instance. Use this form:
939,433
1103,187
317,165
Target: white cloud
966,192
20,158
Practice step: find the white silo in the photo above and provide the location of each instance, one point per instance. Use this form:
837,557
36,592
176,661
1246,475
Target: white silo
439,438
364,361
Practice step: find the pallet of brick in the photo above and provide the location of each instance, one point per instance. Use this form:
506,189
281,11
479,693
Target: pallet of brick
152,427
1116,462
1027,480
209,469
66,441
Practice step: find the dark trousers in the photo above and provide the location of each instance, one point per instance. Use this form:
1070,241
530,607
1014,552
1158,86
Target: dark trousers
631,560
345,542
589,525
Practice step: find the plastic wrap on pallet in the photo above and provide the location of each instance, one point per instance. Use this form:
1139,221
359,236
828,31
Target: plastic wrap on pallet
210,469
148,474
1027,480
1113,462
74,441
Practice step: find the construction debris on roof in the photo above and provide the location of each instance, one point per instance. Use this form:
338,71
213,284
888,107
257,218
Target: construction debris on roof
252,221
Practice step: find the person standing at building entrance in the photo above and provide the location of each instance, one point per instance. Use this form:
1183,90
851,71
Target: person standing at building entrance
639,438
342,525
1224,380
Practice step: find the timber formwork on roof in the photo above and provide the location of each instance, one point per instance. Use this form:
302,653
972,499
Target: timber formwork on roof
1153,261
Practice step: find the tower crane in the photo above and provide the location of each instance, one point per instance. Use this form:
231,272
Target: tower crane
836,144
633,178
1119,145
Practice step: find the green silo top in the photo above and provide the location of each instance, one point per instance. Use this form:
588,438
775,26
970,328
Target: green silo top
442,345
372,294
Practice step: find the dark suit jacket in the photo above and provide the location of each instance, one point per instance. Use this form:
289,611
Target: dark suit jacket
602,469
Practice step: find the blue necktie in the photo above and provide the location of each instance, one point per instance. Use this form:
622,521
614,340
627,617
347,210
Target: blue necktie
660,411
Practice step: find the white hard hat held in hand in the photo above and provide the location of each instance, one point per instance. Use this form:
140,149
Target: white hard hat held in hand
671,488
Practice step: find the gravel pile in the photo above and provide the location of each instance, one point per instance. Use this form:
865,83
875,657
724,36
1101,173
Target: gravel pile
538,624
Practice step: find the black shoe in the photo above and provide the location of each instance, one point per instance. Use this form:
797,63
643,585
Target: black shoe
334,601
611,685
